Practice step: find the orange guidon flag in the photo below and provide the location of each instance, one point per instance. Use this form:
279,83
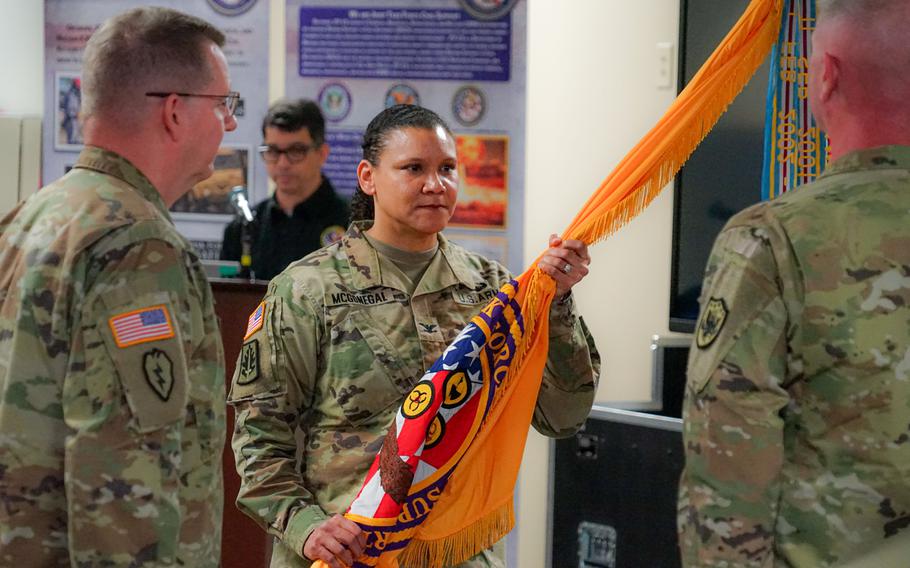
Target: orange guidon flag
440,489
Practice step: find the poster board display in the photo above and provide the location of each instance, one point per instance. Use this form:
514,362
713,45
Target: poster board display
202,214
463,59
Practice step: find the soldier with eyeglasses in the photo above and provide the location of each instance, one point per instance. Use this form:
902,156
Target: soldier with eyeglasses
304,213
112,414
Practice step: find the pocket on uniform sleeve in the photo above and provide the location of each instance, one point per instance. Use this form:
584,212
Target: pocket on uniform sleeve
740,285
145,344
721,325
256,375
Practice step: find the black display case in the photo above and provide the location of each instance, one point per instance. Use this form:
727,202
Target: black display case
613,497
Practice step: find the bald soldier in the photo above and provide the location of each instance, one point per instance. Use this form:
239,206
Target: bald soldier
111,366
797,413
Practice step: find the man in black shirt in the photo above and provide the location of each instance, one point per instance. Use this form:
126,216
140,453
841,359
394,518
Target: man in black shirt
304,213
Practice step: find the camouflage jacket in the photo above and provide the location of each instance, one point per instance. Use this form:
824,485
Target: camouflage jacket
797,413
111,379
339,345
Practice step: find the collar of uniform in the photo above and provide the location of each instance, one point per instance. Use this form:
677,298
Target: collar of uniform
361,256
878,158
365,271
115,165
458,264
313,206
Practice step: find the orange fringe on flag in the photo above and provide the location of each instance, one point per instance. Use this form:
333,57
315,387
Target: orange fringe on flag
475,509
653,162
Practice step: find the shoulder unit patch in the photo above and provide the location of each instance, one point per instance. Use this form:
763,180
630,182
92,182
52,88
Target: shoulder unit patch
248,365
712,322
159,373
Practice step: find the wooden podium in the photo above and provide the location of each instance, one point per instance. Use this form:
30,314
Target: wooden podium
243,543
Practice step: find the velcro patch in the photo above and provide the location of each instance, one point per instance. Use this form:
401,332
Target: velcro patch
248,365
712,322
331,235
473,298
159,373
254,324
373,298
141,326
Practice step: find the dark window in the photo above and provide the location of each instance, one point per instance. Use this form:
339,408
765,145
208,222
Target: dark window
723,176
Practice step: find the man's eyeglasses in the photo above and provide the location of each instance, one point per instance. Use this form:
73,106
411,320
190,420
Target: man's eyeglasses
295,152
229,100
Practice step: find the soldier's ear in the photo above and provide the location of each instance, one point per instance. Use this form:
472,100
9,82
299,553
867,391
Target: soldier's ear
830,76
365,177
173,116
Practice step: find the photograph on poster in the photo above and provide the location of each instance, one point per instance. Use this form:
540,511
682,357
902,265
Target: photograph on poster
67,102
401,94
493,246
483,169
212,196
469,105
335,101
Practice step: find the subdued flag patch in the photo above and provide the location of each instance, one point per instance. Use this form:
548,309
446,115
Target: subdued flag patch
248,367
331,235
254,324
141,326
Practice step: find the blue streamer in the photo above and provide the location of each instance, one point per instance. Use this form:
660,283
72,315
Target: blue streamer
796,151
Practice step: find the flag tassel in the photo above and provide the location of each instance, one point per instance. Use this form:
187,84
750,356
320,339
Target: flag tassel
462,545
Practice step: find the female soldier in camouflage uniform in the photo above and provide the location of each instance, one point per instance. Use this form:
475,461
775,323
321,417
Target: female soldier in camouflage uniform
345,333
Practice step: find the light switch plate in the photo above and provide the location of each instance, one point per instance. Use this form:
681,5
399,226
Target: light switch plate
664,75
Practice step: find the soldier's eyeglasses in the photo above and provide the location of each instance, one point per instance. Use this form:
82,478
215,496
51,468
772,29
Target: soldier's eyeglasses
230,100
295,152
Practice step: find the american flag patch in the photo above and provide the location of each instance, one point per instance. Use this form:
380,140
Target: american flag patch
141,326
255,322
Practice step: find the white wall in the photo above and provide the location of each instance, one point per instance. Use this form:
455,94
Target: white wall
21,56
592,92
21,95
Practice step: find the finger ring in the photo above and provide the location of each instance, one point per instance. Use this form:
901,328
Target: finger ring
567,268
